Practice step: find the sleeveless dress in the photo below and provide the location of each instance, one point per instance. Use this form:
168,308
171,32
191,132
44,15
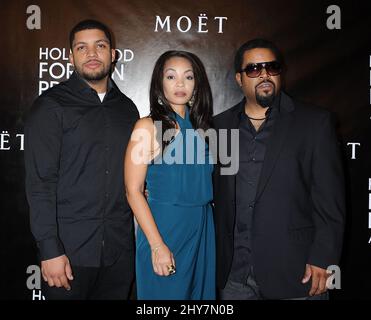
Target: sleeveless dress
180,193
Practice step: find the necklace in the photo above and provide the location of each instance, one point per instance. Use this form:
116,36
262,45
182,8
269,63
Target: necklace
261,119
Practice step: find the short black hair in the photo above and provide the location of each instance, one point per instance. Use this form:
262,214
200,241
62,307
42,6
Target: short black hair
254,44
90,24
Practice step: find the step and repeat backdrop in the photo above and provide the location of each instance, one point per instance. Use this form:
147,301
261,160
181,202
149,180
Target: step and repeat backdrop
327,50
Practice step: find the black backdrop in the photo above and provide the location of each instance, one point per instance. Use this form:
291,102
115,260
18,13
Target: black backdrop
327,67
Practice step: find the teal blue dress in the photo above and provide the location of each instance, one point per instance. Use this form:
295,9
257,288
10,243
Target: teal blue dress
180,193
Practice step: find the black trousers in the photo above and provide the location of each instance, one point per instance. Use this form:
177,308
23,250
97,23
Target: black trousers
103,283
251,291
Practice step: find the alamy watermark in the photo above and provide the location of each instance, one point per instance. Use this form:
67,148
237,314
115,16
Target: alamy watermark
219,149
33,281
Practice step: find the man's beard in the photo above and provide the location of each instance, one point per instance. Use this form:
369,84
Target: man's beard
265,101
94,76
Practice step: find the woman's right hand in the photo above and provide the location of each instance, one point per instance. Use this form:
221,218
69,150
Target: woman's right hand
162,260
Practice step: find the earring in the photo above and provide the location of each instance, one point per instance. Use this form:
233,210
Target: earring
191,101
160,102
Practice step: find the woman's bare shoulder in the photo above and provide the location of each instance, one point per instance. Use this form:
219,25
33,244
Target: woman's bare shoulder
144,123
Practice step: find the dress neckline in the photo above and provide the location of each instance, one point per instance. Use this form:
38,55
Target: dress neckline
186,116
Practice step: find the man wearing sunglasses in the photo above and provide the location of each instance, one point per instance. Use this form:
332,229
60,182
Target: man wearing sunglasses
279,220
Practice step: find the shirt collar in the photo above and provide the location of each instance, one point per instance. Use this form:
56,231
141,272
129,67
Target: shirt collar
275,107
77,83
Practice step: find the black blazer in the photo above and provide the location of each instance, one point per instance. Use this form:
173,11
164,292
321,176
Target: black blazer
300,204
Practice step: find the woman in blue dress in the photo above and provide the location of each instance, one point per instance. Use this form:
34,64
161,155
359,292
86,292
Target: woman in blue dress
167,157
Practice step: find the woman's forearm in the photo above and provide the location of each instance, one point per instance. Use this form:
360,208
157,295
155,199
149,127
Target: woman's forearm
144,217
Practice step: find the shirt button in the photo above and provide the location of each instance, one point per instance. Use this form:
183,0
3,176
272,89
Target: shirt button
107,172
106,195
253,159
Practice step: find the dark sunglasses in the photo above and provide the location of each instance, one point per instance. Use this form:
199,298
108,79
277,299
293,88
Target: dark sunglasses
254,70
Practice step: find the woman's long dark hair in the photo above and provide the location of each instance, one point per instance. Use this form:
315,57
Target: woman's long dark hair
202,110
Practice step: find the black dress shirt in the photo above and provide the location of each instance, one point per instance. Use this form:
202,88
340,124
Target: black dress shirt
251,158
74,149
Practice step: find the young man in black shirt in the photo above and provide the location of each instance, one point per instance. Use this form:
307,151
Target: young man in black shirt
76,134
